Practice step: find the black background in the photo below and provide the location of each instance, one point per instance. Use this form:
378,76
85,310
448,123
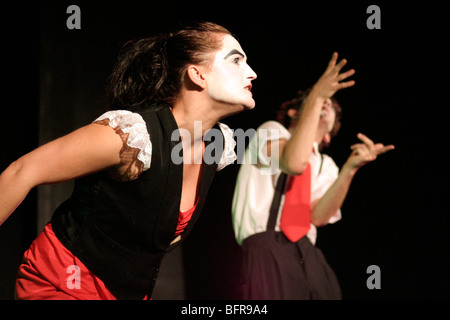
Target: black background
396,214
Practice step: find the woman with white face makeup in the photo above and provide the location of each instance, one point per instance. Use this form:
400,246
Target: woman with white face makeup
131,203
230,77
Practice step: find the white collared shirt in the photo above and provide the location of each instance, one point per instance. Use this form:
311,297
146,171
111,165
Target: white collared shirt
254,191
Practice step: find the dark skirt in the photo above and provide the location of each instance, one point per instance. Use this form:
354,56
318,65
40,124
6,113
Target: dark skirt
277,269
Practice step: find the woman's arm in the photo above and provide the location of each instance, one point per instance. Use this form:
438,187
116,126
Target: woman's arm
89,149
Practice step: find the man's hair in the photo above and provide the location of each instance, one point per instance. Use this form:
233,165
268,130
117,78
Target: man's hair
297,102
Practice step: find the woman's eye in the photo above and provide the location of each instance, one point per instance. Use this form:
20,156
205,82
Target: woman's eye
236,60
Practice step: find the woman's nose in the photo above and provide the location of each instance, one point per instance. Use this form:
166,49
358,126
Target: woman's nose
250,73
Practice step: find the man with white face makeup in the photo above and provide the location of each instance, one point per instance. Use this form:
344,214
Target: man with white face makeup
279,262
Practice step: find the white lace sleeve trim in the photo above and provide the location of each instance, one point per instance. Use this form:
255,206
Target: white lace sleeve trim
138,137
228,154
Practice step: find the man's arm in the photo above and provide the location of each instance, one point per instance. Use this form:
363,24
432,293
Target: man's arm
294,154
332,200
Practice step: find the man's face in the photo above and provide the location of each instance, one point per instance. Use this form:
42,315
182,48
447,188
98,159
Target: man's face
328,115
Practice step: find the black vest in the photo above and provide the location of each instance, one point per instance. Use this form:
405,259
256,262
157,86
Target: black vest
121,230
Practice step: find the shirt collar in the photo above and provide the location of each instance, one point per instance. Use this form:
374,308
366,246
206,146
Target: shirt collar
316,148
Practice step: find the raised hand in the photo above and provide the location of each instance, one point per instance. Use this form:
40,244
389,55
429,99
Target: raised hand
366,151
330,81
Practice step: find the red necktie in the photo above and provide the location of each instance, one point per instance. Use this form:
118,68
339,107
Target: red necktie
295,218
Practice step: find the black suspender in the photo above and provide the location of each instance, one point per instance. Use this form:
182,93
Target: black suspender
274,208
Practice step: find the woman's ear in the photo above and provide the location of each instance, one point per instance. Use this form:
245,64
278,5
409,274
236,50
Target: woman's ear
195,74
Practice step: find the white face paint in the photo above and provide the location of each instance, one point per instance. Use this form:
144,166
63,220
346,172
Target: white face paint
328,114
229,80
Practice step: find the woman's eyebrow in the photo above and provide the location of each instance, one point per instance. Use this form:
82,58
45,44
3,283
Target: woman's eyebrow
234,51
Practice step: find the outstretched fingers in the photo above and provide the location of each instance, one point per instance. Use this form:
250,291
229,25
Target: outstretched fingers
332,62
375,149
367,141
334,70
339,66
347,84
383,149
329,82
345,75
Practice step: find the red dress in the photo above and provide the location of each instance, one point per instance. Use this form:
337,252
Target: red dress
49,271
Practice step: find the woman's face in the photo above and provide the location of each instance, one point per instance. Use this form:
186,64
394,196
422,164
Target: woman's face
229,80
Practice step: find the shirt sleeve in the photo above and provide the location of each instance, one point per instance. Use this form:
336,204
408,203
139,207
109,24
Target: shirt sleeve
137,152
268,131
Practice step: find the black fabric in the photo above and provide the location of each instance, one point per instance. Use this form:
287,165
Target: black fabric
122,230
278,269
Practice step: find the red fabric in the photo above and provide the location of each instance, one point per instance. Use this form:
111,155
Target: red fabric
183,219
49,271
295,218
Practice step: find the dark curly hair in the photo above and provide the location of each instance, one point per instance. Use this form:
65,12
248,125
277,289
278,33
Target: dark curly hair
152,70
297,102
